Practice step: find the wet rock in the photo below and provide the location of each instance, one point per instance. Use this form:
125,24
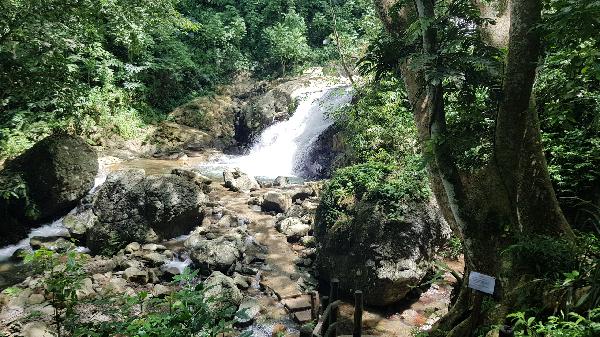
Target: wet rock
224,288
133,207
294,228
79,223
276,202
238,181
50,178
55,244
195,176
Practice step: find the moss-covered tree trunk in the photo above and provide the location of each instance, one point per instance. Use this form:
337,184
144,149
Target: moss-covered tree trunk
512,195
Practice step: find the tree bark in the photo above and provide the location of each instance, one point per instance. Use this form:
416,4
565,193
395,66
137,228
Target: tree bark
510,196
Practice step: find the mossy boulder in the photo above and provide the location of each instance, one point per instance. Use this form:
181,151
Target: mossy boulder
44,183
133,207
377,231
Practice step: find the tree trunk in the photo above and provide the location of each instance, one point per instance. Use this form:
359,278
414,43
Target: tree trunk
510,196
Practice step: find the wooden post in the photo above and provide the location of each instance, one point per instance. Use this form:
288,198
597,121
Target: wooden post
334,296
324,305
333,320
314,311
358,312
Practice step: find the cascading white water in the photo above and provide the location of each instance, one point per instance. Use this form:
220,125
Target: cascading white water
55,228
282,145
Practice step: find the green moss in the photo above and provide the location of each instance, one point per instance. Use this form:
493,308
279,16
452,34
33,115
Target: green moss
385,186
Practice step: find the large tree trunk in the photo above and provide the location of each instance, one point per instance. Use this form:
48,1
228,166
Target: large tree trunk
510,196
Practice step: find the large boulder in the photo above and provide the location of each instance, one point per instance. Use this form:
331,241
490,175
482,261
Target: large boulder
278,202
133,207
44,183
378,236
239,181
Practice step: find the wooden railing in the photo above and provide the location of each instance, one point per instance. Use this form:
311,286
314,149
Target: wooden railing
328,320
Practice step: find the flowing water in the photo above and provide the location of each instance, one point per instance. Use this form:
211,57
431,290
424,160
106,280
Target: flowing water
278,151
283,146
52,229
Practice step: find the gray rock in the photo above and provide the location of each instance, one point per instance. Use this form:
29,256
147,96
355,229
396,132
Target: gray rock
300,193
238,181
241,281
36,299
308,241
377,251
86,290
133,247
133,207
294,228
276,202
217,254
159,290
36,329
115,285
222,289
79,223
154,258
248,310
281,181
52,177
135,275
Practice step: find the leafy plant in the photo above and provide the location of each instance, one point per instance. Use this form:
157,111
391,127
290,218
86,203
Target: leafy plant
63,276
564,325
187,311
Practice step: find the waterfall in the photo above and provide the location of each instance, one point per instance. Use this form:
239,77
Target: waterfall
283,145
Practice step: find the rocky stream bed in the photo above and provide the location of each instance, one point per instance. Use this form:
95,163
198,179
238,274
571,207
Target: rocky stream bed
145,213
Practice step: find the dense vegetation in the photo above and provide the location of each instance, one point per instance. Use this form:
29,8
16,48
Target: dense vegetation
104,67
430,120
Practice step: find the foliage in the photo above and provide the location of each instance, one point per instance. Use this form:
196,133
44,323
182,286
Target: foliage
387,185
568,99
453,248
99,68
63,276
185,312
565,325
378,127
286,41
568,271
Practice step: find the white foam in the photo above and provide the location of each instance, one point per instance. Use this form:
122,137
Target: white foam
283,145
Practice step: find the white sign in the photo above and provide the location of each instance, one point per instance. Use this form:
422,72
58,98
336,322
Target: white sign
481,282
